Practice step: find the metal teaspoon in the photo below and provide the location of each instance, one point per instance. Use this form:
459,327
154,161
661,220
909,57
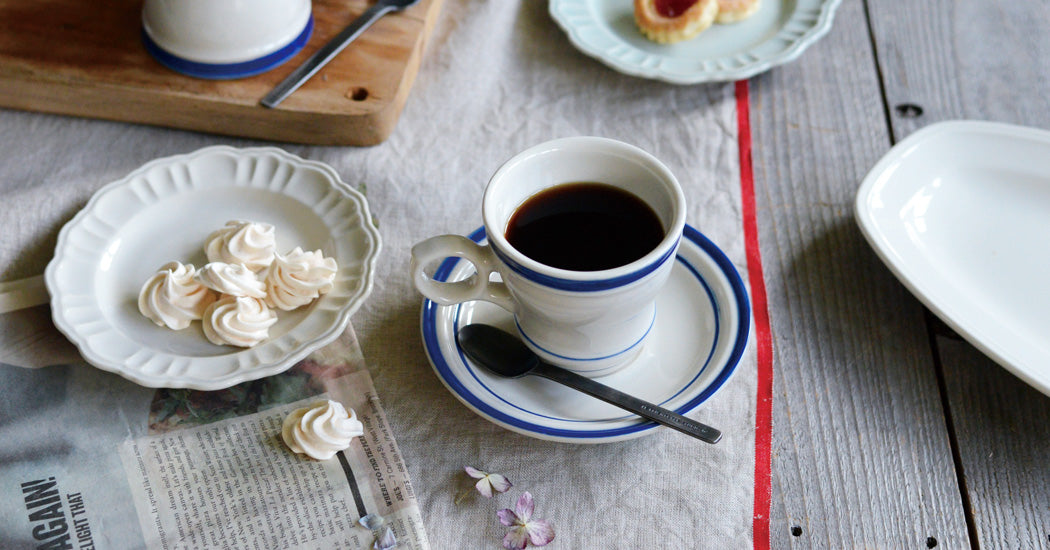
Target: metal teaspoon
505,355
319,59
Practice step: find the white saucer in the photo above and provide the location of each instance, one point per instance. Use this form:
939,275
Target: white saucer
701,330
959,212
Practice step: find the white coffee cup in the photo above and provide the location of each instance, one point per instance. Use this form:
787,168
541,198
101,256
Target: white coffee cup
590,322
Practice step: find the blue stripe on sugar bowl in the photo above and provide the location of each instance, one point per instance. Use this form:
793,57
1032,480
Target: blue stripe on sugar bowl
228,71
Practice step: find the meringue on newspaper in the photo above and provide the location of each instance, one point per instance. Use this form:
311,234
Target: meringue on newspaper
231,279
173,297
321,430
296,278
242,242
238,321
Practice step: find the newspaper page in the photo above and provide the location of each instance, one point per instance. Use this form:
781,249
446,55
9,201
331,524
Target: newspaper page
89,460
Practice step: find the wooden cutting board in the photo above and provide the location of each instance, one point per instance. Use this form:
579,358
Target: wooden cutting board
83,58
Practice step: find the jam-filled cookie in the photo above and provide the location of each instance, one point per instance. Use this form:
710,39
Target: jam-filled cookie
731,11
668,21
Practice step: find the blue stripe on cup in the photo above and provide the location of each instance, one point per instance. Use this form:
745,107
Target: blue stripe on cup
573,285
588,359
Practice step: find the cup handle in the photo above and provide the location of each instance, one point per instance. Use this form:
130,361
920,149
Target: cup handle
476,287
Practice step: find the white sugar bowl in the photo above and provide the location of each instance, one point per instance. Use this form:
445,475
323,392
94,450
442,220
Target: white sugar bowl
223,39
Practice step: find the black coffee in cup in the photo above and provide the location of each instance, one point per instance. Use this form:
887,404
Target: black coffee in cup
584,226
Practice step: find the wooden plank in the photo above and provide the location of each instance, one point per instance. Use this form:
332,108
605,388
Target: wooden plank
988,61
862,458
1003,430
78,58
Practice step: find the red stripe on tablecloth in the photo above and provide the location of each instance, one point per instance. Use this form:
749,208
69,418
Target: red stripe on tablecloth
760,314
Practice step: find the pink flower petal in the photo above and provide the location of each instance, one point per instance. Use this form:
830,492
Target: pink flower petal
500,483
474,472
484,487
516,539
507,517
372,522
540,532
524,506
386,540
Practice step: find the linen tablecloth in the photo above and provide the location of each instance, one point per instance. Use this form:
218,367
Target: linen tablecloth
497,77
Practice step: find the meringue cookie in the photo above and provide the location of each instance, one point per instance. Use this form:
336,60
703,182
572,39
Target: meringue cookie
173,297
242,242
321,430
238,321
231,279
296,278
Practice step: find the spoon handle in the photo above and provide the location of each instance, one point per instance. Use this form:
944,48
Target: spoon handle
327,52
642,408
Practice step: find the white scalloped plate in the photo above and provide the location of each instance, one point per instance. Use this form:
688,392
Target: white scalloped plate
164,211
777,33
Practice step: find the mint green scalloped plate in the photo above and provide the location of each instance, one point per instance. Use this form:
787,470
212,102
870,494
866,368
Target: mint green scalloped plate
777,33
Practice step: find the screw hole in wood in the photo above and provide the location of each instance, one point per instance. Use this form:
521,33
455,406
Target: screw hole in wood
931,542
796,531
359,94
908,110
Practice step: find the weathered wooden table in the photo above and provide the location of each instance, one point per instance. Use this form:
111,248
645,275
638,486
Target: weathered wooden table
889,430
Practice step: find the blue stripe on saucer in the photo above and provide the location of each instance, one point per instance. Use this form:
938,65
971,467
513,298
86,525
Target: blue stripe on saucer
225,71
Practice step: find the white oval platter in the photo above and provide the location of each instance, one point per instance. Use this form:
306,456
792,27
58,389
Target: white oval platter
960,212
